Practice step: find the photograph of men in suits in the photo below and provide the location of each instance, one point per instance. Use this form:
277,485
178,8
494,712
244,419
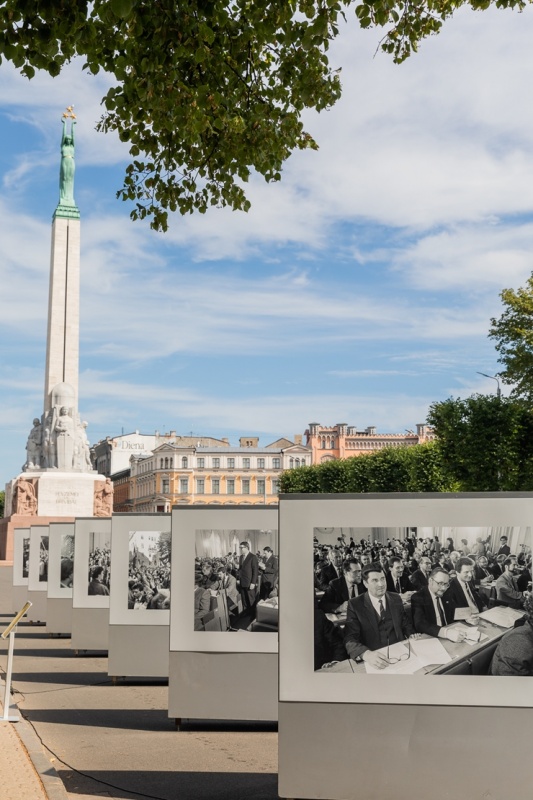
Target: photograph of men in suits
248,575
269,572
431,612
507,590
340,590
331,570
419,578
375,620
504,549
397,580
462,593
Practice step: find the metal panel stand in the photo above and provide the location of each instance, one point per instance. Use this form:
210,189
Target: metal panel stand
237,686
393,752
59,615
138,651
90,628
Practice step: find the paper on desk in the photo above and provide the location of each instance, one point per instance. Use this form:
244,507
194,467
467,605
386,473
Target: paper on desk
473,635
503,616
407,667
462,613
430,651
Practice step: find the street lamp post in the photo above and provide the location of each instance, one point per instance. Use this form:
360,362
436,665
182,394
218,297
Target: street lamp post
493,378
499,396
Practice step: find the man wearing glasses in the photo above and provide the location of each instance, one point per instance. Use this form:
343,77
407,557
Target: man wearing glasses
375,620
432,613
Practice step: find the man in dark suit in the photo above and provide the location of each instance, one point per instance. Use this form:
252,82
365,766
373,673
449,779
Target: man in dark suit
431,614
504,550
375,620
419,578
397,580
248,574
269,572
481,572
507,591
331,570
340,590
462,593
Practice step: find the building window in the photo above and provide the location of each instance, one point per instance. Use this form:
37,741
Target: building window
276,463
165,486
166,463
260,463
261,486
201,463
230,486
274,486
216,463
246,486
184,485
297,462
200,486
231,463
291,463
246,463
215,486
184,462
161,464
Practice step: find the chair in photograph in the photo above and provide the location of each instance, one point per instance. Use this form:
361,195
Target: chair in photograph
481,661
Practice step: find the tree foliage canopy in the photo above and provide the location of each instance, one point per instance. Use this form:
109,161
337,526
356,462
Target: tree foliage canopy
513,333
408,469
485,442
207,91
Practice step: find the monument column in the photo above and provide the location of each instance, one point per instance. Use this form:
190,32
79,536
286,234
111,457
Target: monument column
58,480
62,350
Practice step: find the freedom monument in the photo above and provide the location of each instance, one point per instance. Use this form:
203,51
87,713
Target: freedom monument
57,479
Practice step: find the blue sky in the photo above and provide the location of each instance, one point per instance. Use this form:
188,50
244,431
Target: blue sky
359,289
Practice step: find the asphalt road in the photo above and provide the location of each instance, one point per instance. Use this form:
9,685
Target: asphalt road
117,741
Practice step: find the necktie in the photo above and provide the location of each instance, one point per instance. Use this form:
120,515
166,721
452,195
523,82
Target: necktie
470,595
381,611
352,591
441,611
398,587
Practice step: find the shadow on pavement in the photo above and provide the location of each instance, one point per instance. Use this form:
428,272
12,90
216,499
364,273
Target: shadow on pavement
174,785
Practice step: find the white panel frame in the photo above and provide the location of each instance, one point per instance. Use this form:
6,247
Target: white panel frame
185,522
19,536
119,613
36,533
82,528
299,515
57,530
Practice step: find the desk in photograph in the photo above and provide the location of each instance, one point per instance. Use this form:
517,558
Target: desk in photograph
460,652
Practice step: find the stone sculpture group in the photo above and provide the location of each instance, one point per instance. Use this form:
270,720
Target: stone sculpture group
58,441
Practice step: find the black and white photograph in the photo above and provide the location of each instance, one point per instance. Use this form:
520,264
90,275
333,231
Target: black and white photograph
149,570
423,601
236,581
99,573
67,561
25,556
43,559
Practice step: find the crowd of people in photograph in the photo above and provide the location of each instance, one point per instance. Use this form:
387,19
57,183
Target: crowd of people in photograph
43,560
149,584
99,571
389,592
241,580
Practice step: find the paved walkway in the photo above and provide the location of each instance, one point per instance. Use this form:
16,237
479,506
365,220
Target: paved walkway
116,742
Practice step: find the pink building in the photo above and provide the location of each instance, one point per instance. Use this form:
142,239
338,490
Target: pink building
344,441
